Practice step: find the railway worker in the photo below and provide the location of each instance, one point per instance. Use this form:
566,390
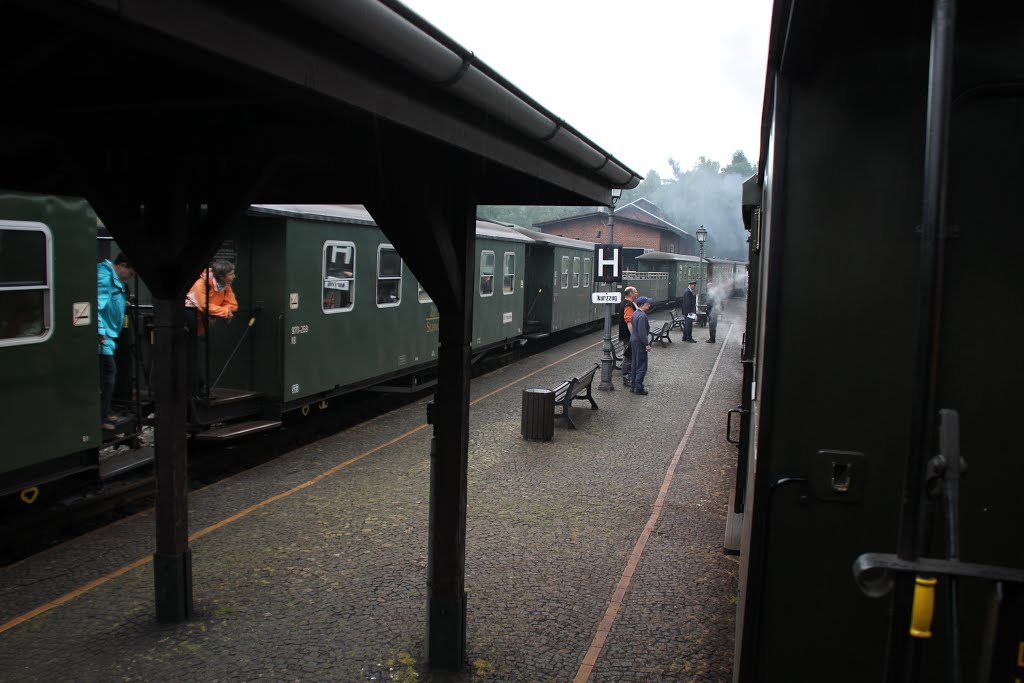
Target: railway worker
221,302
640,340
713,298
111,296
689,308
626,329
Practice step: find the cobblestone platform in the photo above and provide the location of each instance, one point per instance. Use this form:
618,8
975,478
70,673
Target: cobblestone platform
312,567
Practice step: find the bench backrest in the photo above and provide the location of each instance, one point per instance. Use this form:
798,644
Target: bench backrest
584,380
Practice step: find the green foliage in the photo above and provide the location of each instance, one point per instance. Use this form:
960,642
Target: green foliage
740,165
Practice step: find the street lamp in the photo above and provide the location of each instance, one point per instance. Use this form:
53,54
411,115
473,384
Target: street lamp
702,236
607,362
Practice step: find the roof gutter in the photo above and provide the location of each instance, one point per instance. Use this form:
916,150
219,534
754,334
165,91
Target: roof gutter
394,31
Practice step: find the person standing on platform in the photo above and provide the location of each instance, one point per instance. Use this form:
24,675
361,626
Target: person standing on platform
625,329
689,308
640,340
712,303
110,303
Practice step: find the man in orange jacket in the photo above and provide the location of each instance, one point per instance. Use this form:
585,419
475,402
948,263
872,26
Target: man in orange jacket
221,302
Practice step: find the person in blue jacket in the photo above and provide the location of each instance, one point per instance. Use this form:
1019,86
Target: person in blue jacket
639,340
111,296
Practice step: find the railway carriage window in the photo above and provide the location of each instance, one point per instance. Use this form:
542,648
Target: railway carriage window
586,272
25,315
339,276
486,273
389,277
565,272
575,271
508,275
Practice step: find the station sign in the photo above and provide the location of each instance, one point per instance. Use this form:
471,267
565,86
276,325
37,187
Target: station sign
607,263
606,297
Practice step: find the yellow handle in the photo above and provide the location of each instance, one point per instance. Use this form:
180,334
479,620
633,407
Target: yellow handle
252,321
924,607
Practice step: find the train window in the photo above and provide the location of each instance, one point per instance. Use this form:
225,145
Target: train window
486,273
339,276
508,279
389,277
575,271
25,267
421,294
586,272
565,272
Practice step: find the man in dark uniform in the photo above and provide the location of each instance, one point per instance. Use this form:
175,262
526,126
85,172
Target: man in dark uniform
640,339
625,328
712,303
689,311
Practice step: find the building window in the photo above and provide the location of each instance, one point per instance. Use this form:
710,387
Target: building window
486,273
565,272
508,279
586,272
339,276
25,297
389,277
575,271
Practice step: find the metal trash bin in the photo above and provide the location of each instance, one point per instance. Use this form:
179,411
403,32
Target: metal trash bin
538,414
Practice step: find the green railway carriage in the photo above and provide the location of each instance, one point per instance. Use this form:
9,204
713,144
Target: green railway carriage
49,381
729,276
679,268
337,309
559,282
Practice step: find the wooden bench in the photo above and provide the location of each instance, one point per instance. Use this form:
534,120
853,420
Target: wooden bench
662,334
618,349
575,389
677,322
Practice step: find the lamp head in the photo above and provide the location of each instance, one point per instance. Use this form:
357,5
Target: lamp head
702,234
616,193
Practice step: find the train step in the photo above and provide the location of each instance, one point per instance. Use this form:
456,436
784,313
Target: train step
225,405
239,429
119,463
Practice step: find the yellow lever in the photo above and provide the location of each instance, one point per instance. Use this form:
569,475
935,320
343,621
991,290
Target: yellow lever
924,606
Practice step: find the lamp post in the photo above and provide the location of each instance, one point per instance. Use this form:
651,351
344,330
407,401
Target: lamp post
702,236
607,362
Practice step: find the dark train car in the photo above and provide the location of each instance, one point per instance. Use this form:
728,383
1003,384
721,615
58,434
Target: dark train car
885,236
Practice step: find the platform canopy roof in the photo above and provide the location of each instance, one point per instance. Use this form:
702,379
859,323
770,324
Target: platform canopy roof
309,88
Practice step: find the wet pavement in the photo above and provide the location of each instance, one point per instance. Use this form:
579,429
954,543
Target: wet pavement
328,582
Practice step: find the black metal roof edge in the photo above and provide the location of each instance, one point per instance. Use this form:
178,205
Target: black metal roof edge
357,26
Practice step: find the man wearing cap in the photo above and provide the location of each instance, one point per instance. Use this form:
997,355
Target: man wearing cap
689,308
640,341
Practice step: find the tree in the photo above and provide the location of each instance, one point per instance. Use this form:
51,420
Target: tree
705,165
740,165
651,184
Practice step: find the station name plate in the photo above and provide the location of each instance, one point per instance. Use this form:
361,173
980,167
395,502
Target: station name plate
606,297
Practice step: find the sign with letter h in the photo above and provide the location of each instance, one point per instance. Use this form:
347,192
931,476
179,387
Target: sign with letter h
608,263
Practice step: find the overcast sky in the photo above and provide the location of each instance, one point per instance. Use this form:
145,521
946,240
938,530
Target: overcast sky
646,80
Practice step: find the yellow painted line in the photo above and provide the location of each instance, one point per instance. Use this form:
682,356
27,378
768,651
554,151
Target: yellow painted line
619,596
252,508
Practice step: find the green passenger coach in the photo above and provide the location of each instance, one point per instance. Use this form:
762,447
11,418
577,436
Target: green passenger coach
49,393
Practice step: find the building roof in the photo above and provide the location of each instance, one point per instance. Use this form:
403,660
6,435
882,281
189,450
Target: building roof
644,215
666,256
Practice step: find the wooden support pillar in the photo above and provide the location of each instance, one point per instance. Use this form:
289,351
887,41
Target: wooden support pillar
172,563
426,205
446,555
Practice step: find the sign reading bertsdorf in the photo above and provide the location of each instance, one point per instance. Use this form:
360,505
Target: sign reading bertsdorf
606,297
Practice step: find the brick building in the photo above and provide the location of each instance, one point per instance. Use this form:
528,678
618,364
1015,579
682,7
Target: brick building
639,228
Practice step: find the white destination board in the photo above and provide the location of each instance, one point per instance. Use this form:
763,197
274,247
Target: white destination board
606,297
